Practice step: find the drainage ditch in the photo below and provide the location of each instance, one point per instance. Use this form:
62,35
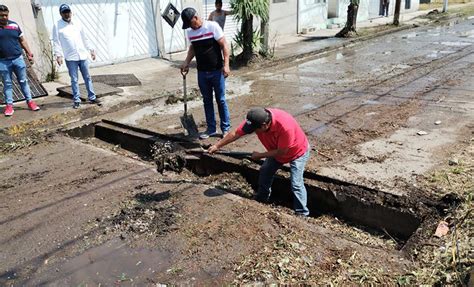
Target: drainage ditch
407,219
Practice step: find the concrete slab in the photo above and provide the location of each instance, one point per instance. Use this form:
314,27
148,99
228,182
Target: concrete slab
100,90
117,80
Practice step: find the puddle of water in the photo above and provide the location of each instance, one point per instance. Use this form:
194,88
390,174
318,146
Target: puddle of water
309,107
401,66
371,102
320,61
433,54
318,130
434,30
9,275
236,88
467,34
110,264
447,52
456,44
410,35
136,116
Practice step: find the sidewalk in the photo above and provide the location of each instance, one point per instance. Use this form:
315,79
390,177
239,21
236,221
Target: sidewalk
161,77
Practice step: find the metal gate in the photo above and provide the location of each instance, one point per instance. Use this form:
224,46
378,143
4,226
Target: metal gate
119,30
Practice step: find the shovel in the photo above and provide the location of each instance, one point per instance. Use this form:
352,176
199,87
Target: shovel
187,120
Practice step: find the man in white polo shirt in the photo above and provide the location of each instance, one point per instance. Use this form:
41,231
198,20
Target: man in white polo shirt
71,44
209,46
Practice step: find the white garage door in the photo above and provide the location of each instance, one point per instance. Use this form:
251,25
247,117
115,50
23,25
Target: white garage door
173,37
119,30
374,8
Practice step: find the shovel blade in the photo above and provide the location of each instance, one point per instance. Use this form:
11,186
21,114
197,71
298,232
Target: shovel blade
188,123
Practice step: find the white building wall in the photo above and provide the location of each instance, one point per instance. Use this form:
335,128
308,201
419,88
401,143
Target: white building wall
312,14
119,30
283,18
362,14
21,12
338,8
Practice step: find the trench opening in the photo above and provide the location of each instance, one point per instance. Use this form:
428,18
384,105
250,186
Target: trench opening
399,217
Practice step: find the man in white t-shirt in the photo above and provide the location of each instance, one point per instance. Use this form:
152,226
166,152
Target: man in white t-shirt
209,46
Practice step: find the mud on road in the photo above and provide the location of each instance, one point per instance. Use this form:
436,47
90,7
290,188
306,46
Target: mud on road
80,211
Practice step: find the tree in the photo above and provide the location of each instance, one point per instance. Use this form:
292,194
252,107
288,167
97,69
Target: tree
244,11
350,27
396,15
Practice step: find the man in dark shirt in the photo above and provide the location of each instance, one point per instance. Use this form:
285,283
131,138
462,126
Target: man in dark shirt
209,46
11,61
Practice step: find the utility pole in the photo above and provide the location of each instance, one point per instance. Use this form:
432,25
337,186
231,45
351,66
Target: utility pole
396,15
445,6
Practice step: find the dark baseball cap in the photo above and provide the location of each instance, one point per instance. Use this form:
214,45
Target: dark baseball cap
187,15
64,8
256,117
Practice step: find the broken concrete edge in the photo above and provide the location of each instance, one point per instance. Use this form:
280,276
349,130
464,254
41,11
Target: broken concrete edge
398,217
409,221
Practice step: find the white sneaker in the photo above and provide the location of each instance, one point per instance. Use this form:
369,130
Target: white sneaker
206,135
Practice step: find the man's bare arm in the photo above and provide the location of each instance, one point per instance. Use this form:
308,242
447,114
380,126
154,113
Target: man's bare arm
189,58
225,52
26,47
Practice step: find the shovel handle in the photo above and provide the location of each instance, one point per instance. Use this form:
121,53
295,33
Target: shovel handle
185,96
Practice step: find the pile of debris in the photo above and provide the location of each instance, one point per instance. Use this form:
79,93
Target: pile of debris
168,156
152,214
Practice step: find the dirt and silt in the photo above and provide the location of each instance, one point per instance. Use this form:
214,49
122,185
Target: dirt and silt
83,212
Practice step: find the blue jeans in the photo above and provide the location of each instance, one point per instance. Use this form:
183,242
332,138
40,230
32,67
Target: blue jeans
17,66
83,65
209,82
265,180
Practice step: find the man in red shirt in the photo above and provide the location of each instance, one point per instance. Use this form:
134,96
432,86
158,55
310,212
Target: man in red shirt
284,141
